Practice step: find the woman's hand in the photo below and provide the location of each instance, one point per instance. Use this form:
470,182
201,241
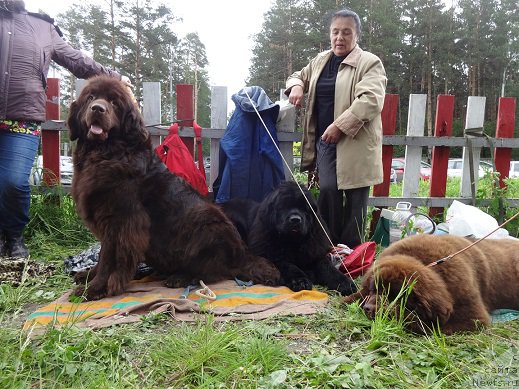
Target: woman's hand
332,134
296,95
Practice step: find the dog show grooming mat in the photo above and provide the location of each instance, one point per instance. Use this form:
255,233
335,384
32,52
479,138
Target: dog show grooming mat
232,302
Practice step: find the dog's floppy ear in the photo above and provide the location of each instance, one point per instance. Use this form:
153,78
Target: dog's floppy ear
430,298
133,125
73,122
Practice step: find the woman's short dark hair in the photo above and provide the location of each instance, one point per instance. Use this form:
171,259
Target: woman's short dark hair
348,13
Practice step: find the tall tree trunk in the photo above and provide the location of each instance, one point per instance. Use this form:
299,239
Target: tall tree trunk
112,24
138,47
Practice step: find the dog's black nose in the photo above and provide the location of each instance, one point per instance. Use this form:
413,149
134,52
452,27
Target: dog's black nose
295,219
98,107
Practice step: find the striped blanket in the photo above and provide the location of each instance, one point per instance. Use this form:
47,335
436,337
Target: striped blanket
231,302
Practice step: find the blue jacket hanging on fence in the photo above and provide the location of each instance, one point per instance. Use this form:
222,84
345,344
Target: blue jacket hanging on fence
250,164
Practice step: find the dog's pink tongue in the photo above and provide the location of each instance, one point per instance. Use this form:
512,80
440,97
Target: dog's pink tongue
96,129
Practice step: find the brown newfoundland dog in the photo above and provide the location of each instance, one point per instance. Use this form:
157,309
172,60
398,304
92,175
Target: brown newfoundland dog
139,210
456,295
284,229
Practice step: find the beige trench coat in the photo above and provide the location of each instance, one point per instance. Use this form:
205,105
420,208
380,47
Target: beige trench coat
359,97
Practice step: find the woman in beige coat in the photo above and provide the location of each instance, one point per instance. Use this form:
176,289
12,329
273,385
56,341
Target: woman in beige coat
342,141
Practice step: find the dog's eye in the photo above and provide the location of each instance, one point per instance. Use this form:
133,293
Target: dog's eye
90,98
114,104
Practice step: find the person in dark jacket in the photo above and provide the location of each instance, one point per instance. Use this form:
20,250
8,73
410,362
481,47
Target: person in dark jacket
28,42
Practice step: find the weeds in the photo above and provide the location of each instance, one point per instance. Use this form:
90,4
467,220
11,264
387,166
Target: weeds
338,347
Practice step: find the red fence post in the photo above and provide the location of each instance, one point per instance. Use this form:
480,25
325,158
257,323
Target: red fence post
185,112
440,154
504,129
50,139
389,112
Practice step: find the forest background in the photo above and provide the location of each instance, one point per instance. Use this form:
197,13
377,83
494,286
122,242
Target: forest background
464,48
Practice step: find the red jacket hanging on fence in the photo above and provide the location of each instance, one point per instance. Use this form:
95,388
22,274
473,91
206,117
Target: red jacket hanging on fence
175,155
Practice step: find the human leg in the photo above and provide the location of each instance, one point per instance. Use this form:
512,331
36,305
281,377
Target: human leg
17,153
355,213
330,200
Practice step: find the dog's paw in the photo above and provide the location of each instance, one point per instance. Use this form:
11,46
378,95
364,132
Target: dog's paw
84,276
298,284
179,281
78,295
269,276
346,288
87,293
81,277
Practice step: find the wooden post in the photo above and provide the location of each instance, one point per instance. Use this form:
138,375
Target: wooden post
218,121
440,154
151,106
286,122
504,129
389,114
475,119
413,154
50,140
185,113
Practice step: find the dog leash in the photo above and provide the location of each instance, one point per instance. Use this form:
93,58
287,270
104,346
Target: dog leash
205,292
318,162
441,260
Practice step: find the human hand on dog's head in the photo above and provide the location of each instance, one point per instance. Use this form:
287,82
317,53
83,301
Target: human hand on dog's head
129,87
127,81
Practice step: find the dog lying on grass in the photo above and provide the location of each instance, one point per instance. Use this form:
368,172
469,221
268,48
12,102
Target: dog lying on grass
456,295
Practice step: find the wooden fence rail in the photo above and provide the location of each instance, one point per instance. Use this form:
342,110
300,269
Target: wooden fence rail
415,141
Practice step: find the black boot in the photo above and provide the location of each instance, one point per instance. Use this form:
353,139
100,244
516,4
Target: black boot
15,247
3,245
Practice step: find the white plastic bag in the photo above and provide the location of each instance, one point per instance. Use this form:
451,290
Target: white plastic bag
466,220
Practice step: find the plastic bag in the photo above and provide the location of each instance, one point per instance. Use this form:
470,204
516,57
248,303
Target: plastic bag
466,220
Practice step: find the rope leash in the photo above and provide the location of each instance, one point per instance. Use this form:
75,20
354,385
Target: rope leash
441,260
293,176
205,292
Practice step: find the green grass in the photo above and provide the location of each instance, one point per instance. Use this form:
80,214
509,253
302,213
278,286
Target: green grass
339,347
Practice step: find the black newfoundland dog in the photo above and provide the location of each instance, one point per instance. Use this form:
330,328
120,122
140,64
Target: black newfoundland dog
283,229
139,210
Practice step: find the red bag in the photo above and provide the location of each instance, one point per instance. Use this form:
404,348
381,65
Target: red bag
357,261
176,156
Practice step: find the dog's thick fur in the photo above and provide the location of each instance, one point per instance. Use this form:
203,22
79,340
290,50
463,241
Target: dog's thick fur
283,229
458,294
139,210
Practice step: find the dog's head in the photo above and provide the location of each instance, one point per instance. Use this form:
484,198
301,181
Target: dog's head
406,286
288,210
104,111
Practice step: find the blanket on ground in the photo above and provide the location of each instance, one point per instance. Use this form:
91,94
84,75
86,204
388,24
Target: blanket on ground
232,302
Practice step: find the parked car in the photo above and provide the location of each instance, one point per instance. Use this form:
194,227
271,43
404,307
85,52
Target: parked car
455,167
207,163
399,165
514,169
66,170
392,176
